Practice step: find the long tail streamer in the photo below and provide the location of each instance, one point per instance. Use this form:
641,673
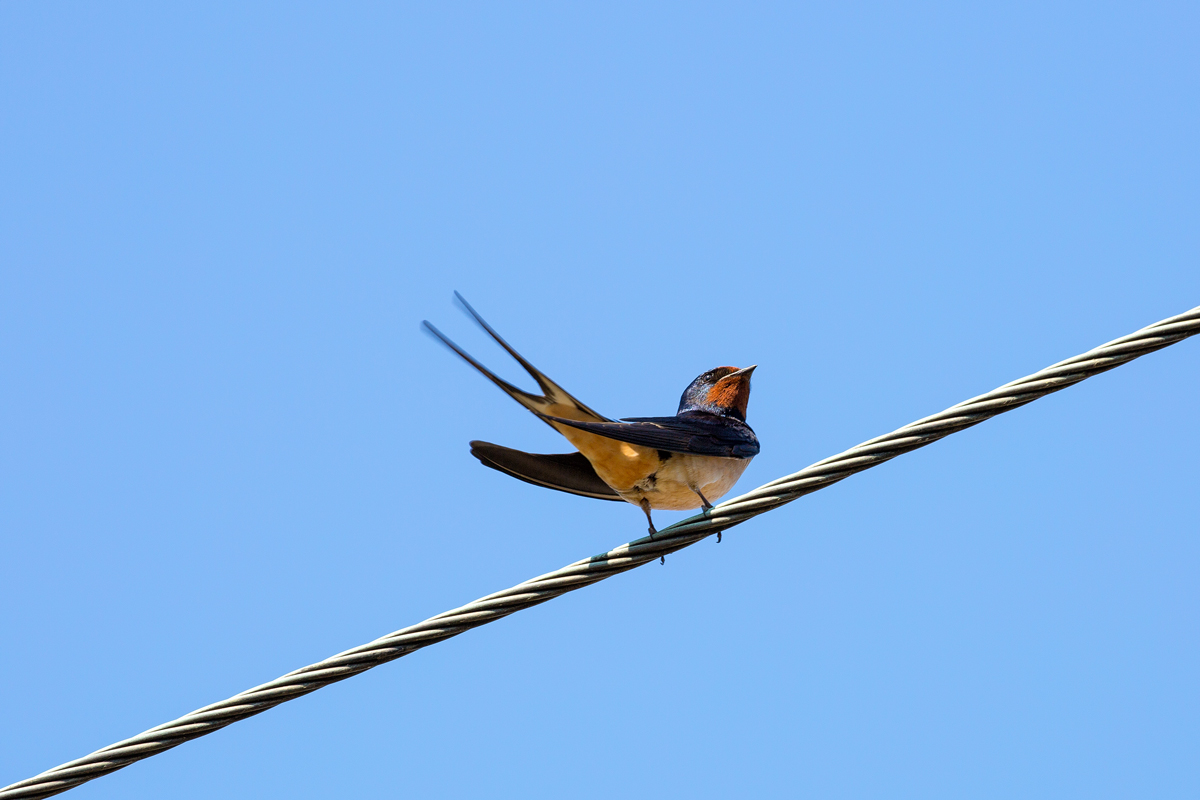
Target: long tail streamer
620,559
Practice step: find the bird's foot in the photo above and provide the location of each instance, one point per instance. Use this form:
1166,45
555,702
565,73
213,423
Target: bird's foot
662,560
645,505
718,537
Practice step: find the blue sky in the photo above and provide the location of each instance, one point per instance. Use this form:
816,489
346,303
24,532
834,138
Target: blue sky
227,450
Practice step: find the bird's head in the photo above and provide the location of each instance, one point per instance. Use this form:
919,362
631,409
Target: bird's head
724,391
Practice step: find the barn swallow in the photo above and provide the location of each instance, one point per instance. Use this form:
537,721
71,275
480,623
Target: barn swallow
677,463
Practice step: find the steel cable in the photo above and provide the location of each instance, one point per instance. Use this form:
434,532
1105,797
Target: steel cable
620,559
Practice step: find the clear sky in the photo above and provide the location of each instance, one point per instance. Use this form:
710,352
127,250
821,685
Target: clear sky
227,450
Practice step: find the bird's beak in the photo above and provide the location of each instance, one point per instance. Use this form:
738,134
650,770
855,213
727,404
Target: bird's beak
744,372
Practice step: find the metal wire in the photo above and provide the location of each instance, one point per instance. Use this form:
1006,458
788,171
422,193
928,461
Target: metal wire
619,559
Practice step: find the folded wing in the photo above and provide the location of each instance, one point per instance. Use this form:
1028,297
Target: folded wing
568,472
696,433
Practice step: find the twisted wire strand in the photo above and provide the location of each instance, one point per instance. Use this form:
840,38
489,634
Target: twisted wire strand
620,559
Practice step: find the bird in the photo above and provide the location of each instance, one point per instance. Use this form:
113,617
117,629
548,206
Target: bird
672,463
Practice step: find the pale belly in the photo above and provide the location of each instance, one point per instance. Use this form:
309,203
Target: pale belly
671,487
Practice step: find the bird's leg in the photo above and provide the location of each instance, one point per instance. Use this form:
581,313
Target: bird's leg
705,506
645,504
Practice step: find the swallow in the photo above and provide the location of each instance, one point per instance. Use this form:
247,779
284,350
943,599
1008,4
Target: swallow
674,463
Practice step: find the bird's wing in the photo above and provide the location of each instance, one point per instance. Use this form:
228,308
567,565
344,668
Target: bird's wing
569,472
555,402
693,432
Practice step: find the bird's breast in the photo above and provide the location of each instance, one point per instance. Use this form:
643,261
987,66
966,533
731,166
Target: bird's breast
673,484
